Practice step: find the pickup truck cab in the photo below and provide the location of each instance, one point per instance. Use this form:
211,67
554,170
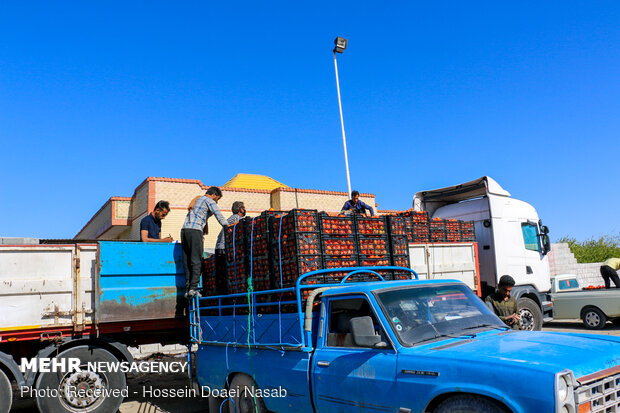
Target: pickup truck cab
389,346
593,306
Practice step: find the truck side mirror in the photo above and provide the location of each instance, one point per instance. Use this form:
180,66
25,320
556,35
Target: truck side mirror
364,332
544,229
546,244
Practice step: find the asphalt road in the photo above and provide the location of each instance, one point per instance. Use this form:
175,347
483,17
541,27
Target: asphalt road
140,401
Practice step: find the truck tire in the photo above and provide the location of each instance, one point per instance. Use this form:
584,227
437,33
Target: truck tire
218,405
531,315
86,380
6,393
469,404
243,402
593,318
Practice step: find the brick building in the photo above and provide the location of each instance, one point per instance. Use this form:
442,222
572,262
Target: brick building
119,218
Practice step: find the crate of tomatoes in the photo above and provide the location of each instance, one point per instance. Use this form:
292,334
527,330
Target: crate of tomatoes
336,225
338,245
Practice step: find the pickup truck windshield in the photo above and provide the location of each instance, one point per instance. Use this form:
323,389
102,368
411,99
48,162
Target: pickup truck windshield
422,314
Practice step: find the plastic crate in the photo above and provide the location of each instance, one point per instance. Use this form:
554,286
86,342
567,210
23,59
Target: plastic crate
374,260
452,225
296,220
468,237
399,245
419,233
336,225
235,238
296,243
397,225
236,277
369,245
400,261
286,272
467,226
209,286
339,245
261,277
330,262
418,217
370,225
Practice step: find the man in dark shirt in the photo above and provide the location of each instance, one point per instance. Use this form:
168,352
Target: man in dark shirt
356,206
503,304
150,226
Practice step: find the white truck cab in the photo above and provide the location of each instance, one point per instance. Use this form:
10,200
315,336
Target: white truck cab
511,240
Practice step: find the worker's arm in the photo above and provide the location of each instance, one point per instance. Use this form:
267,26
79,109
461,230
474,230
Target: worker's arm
218,214
372,211
144,237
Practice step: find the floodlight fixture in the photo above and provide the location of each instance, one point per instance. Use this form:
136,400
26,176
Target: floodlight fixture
341,44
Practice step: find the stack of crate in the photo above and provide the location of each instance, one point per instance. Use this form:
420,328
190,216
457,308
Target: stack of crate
372,241
208,276
338,244
236,257
437,230
399,245
467,231
453,230
296,246
417,226
258,236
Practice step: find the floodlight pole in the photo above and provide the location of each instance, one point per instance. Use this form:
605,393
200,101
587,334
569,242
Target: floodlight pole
344,139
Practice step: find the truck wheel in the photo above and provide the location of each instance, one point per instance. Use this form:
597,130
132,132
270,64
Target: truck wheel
218,405
6,393
469,404
81,391
244,400
531,315
593,318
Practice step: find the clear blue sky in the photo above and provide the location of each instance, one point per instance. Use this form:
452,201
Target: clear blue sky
96,96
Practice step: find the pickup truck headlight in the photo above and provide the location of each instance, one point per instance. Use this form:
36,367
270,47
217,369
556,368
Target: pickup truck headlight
565,392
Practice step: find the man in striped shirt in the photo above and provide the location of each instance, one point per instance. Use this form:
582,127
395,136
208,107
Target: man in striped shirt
192,236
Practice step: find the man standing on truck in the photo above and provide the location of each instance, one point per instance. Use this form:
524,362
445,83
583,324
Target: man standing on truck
150,226
356,206
609,272
192,236
503,304
238,209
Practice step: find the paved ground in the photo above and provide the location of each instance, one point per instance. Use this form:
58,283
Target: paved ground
139,403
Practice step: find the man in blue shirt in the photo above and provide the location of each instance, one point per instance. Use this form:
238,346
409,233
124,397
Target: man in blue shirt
150,226
356,206
192,236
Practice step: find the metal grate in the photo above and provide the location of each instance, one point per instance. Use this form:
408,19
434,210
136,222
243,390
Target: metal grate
603,394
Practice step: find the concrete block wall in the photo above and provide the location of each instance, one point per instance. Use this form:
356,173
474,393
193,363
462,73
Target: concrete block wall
562,261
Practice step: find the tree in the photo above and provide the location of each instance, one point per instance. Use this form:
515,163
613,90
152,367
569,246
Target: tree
594,250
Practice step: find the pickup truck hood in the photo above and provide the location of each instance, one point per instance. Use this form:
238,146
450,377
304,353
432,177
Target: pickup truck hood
582,353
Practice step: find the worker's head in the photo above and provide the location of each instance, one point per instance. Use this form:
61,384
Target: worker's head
161,210
355,196
506,282
238,208
214,193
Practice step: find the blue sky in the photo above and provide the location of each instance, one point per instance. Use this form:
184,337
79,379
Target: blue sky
96,96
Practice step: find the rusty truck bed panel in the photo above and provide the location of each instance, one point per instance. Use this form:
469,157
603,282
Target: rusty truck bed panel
140,281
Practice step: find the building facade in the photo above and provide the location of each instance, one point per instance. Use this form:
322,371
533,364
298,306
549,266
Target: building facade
119,218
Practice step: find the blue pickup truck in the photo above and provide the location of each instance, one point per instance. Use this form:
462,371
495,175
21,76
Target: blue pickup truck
370,345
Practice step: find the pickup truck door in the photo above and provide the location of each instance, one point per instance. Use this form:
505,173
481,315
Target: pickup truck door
348,378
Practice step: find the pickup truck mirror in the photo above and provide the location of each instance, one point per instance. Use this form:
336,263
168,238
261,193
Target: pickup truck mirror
364,332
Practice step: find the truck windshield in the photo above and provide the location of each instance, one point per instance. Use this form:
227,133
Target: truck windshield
422,314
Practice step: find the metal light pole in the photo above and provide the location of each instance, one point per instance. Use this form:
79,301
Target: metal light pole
341,44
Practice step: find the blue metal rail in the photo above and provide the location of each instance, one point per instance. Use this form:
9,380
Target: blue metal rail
279,329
